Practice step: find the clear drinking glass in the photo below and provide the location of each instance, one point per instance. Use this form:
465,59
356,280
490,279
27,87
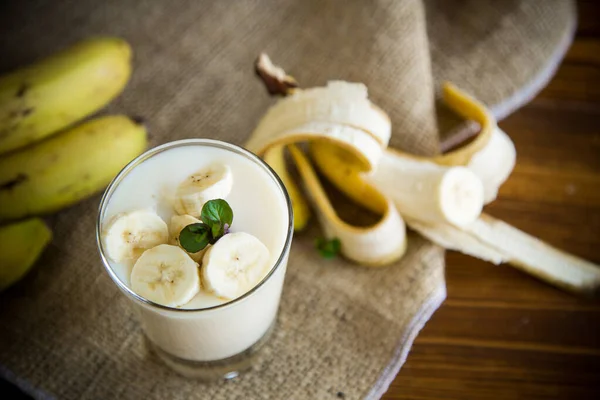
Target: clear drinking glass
221,340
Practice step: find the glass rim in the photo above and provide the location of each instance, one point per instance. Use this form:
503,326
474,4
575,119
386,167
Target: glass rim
179,143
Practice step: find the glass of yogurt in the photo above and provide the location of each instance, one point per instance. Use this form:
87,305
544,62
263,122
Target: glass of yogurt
204,313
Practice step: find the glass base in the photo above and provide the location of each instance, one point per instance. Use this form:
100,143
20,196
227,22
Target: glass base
227,368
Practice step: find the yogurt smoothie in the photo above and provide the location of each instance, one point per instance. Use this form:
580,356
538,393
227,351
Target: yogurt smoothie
218,302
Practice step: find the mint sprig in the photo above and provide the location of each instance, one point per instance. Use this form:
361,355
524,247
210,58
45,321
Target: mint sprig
328,248
195,237
217,217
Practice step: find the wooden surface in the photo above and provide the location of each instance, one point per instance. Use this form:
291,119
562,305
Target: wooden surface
502,334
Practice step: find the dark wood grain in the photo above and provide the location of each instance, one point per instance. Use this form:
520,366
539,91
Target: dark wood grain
502,334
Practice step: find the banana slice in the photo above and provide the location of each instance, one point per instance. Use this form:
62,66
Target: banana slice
211,182
166,275
234,265
178,222
129,234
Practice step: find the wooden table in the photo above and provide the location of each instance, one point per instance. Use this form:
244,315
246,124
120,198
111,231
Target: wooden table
502,334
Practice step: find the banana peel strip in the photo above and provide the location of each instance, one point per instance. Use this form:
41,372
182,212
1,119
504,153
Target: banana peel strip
493,240
275,157
340,114
470,109
375,245
342,169
364,148
491,155
338,103
494,163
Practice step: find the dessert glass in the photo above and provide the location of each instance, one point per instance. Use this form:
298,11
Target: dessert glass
219,340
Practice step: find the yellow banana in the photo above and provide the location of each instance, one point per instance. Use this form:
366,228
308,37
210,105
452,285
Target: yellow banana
68,167
21,244
54,93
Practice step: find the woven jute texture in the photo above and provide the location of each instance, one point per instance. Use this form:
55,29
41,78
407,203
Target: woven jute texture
343,331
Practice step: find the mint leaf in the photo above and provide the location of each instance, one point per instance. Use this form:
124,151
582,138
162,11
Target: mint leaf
195,237
218,215
328,248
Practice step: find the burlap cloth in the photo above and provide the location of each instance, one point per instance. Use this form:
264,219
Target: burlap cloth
343,331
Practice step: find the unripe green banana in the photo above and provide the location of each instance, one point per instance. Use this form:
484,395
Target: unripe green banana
54,93
68,167
21,244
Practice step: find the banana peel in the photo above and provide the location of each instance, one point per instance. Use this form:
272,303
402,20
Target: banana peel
491,155
275,157
21,244
493,240
376,245
341,114
342,168
348,139
359,171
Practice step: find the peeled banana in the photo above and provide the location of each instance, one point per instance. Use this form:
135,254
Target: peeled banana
441,197
21,244
46,97
68,167
418,188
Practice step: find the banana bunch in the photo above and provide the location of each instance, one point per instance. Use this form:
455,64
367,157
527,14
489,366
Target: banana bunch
40,174
440,197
